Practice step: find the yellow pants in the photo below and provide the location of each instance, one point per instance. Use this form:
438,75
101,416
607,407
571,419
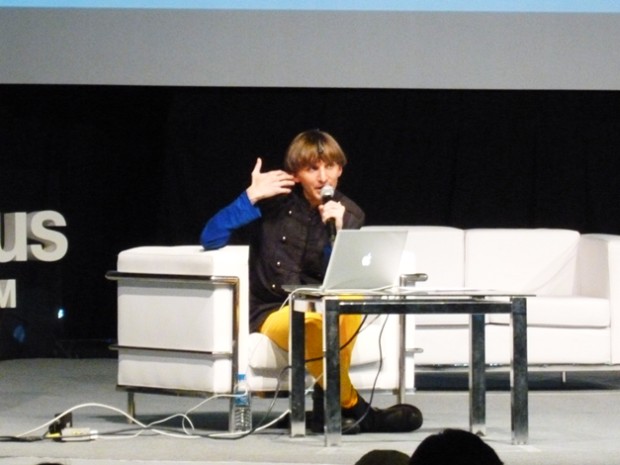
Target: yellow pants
276,328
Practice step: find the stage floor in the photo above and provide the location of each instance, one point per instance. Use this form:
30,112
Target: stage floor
572,423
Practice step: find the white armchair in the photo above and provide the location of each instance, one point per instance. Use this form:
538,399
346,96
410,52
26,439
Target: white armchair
183,327
180,314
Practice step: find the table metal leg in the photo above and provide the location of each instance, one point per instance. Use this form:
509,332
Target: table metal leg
131,407
297,373
477,381
331,373
402,359
518,373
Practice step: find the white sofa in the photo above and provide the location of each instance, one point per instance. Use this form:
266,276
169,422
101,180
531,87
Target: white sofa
573,318
183,327
193,337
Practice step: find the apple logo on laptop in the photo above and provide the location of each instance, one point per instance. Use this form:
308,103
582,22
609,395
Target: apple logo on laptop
367,259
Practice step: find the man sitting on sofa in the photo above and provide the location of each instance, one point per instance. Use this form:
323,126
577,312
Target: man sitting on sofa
289,244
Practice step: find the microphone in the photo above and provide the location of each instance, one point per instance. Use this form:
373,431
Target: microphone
327,194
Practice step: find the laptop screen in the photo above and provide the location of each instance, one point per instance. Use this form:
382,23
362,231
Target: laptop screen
365,259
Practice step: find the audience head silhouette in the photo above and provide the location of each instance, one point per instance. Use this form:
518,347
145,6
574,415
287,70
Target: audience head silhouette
383,457
454,447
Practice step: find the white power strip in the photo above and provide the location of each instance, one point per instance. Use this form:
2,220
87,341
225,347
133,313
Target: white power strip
77,434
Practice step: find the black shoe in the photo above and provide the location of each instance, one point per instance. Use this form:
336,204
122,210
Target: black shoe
317,421
398,418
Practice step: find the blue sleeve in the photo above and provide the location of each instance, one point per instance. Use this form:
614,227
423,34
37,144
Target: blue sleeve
216,233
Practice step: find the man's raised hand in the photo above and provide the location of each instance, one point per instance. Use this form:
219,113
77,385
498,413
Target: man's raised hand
269,183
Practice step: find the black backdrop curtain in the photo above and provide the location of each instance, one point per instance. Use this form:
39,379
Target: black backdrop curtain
129,166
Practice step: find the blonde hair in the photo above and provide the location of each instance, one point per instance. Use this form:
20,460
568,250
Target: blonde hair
310,147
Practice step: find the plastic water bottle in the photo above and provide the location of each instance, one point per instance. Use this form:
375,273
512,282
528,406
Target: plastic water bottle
242,406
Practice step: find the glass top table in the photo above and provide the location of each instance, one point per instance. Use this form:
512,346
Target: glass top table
476,304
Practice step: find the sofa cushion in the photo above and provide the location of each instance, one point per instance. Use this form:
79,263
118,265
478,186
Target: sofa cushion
264,354
536,261
437,251
563,312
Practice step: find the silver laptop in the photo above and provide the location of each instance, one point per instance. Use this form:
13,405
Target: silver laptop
362,260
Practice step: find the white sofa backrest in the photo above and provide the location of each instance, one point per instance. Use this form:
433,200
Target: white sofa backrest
437,251
598,260
538,261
